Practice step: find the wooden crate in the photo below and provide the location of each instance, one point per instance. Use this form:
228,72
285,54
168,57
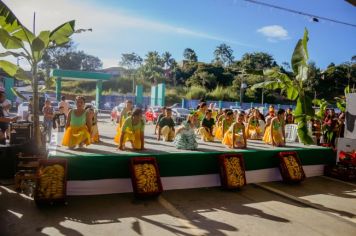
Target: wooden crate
232,171
290,167
145,177
51,184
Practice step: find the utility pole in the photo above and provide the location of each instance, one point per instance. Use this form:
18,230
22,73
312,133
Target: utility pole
34,23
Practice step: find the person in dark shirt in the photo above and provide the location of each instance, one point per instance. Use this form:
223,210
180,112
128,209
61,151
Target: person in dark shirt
166,127
163,114
60,119
207,126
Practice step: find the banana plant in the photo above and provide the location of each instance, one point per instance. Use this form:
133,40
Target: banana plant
22,43
341,101
294,87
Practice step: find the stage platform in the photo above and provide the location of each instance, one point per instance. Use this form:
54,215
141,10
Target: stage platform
102,169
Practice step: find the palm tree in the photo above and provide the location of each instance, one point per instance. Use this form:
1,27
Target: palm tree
224,54
190,55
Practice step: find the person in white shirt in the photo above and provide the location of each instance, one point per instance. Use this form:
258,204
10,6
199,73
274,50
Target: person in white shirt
64,104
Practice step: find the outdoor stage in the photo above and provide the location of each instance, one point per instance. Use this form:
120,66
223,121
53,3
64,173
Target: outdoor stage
102,169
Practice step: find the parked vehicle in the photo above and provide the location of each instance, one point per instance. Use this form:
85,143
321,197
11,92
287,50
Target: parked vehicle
54,105
179,115
152,114
72,104
176,105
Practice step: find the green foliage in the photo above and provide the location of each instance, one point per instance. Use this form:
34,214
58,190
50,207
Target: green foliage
196,92
190,55
222,94
223,55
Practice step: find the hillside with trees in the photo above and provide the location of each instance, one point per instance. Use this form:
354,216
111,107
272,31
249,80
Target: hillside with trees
221,79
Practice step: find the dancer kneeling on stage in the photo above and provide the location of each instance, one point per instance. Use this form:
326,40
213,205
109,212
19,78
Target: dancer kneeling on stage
166,127
94,132
79,123
274,133
235,136
207,126
126,112
185,135
133,130
254,129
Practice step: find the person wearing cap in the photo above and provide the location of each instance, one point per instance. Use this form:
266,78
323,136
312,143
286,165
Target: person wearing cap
4,121
166,127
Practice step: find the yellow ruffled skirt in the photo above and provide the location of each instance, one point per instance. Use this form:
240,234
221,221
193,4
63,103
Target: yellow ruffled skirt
134,138
95,138
206,136
118,132
239,140
254,132
277,137
219,133
74,136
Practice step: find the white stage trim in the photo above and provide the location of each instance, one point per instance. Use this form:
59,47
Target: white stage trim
110,186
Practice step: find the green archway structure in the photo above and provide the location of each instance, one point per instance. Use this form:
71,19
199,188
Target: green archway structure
82,76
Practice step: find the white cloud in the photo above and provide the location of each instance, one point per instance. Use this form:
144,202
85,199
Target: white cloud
274,33
103,20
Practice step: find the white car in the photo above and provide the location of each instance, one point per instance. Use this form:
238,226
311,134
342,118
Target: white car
179,115
72,104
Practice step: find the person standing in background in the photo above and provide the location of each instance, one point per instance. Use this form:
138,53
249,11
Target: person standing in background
47,111
64,104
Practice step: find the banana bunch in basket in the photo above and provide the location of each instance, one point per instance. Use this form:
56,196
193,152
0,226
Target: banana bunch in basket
234,172
146,178
51,182
293,167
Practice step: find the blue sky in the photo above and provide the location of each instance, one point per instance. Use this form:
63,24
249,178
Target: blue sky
141,26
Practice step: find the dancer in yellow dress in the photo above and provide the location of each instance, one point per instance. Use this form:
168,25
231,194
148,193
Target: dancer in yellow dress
126,112
267,133
133,131
78,124
253,129
226,123
235,136
275,134
218,133
94,132
207,126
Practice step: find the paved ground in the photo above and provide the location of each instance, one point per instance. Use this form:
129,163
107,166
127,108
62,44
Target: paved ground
209,211
107,146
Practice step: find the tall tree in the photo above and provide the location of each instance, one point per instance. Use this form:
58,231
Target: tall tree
167,59
131,61
224,54
190,55
66,57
